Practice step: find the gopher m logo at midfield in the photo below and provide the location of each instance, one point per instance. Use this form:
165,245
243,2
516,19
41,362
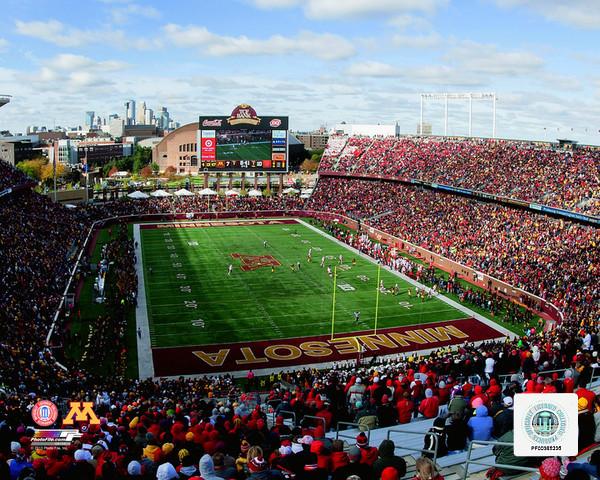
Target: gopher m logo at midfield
254,262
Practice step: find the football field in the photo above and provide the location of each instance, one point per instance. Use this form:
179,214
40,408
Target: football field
273,298
249,151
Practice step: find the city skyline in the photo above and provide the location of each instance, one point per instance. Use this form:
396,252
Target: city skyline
320,62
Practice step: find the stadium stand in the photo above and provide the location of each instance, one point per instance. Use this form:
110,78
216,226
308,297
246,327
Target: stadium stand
521,170
210,428
552,258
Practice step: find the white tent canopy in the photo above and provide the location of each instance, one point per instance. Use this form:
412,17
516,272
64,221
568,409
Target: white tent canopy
290,190
137,194
207,191
160,193
307,191
255,193
305,195
232,193
182,192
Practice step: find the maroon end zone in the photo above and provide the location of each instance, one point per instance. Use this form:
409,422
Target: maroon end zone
217,223
229,357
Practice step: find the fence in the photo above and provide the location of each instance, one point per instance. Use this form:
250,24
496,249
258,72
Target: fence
481,462
433,452
351,436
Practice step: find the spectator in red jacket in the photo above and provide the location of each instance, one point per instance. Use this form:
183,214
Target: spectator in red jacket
429,405
405,408
368,455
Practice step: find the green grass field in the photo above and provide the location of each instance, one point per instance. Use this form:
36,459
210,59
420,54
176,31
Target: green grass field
253,151
193,301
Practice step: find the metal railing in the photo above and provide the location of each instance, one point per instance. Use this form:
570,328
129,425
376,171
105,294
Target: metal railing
436,438
286,414
319,419
351,424
492,462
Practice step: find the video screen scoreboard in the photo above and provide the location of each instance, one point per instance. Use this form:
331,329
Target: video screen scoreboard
243,142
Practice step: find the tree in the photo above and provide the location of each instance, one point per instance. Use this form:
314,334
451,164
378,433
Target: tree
309,166
170,171
47,174
32,168
146,171
155,168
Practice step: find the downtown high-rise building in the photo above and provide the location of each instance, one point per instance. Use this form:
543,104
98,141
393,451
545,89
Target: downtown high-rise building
130,112
89,118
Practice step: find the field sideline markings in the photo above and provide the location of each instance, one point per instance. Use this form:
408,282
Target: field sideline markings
413,282
249,329
144,344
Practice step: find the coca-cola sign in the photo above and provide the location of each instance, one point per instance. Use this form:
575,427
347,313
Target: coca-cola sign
212,123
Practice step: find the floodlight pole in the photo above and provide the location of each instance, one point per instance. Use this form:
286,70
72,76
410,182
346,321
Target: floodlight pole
446,115
470,114
494,116
421,122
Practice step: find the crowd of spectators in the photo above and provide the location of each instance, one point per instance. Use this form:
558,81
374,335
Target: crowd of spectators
207,428
554,259
568,179
11,177
173,429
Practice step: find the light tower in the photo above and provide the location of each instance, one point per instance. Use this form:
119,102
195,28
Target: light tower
461,96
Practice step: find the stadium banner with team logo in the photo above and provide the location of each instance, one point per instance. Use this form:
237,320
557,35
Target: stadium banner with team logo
290,352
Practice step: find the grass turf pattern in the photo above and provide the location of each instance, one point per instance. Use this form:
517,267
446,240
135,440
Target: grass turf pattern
250,151
192,300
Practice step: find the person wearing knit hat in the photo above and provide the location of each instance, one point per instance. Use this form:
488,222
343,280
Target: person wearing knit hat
430,405
354,467
361,440
388,458
134,469
189,437
550,469
167,448
166,471
389,473
587,424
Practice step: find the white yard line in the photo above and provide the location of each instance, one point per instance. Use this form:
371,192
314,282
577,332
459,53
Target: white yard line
443,298
144,347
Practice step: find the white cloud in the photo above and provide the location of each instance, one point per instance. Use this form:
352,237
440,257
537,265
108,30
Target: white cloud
407,21
327,9
3,44
70,62
57,33
414,74
325,46
373,69
487,59
431,40
53,31
577,13
124,14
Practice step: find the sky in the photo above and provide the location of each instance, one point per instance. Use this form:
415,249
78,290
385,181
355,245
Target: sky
320,62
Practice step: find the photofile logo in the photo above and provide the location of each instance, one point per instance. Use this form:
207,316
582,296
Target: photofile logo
545,424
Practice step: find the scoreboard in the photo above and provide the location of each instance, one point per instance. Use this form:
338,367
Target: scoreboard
243,142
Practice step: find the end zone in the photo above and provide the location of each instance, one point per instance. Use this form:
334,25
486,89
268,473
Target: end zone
320,350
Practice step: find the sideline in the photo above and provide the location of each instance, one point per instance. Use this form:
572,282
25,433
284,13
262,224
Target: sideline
413,282
144,348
